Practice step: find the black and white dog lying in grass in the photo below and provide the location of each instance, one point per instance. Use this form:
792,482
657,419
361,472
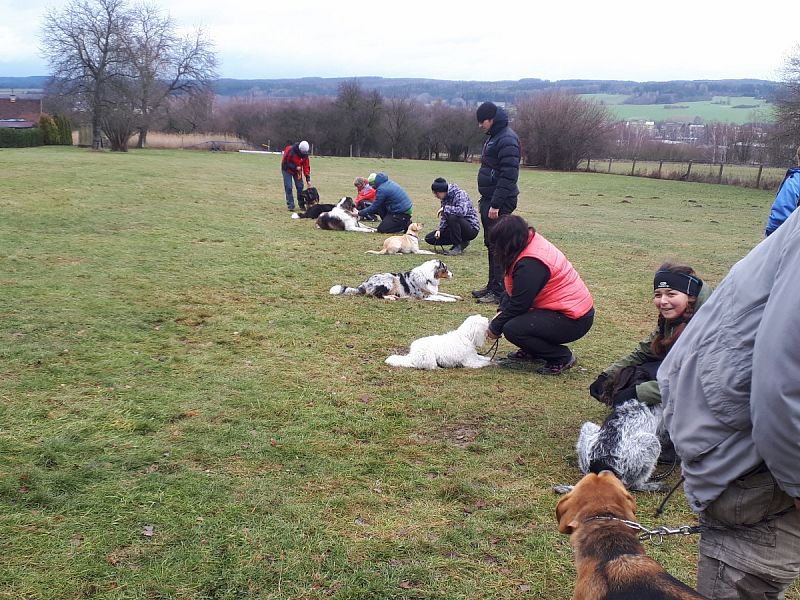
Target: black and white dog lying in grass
421,282
457,348
343,217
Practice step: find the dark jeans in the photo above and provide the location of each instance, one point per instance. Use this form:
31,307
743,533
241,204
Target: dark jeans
457,231
393,222
495,283
542,333
288,178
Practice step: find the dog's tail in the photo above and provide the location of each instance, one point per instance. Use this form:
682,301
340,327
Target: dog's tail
376,251
343,290
398,360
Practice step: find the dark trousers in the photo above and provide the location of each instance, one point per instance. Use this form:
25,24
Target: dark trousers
458,232
393,222
495,282
543,333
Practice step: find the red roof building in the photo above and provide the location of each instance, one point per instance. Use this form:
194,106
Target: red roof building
17,111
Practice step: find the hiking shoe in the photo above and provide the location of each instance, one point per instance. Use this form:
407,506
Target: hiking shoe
523,356
480,293
490,298
454,251
291,208
557,368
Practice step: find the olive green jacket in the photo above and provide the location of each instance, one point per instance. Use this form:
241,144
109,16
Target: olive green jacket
648,391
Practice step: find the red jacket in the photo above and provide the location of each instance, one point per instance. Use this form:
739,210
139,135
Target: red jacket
295,162
565,291
366,194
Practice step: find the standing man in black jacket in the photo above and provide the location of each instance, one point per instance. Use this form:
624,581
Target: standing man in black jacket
497,184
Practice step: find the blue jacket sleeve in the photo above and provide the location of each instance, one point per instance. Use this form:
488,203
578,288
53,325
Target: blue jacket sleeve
785,203
380,198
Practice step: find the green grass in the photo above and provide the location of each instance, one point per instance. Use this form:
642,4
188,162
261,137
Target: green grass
685,112
171,359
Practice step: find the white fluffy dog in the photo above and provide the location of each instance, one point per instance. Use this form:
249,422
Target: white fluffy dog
453,349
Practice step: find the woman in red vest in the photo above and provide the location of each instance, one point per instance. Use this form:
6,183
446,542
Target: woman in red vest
545,304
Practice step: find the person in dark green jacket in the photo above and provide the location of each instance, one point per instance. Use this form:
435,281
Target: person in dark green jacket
677,294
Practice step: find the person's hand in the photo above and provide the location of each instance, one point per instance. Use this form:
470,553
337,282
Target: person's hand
493,336
596,388
437,234
494,213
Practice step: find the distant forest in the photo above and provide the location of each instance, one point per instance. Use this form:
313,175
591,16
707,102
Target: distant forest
471,92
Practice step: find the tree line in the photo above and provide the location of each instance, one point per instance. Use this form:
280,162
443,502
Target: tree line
125,70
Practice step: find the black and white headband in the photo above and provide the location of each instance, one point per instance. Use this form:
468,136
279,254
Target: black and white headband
682,282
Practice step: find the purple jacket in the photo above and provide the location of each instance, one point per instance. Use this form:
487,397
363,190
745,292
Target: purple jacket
458,204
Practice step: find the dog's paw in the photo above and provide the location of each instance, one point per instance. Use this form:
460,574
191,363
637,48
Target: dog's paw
563,489
295,215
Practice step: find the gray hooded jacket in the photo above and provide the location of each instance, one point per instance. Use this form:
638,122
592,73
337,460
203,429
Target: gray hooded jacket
731,383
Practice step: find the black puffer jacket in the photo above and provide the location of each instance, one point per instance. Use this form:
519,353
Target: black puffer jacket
497,177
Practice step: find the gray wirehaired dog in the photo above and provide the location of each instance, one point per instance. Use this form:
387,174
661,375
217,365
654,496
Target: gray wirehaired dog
628,443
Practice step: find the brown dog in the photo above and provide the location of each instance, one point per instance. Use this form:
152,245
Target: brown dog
403,244
609,557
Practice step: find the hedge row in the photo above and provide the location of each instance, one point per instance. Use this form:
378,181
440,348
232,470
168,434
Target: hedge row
21,138
51,131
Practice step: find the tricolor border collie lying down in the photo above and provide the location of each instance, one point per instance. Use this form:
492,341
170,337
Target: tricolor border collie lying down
421,282
343,217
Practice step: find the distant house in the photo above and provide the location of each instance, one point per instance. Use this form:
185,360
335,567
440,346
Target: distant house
20,112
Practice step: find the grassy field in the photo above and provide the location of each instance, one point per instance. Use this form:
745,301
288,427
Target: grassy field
685,112
186,412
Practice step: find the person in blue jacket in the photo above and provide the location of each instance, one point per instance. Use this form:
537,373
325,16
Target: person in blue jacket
787,198
392,204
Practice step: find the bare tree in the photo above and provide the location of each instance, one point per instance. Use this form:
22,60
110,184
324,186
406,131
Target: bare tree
455,131
160,64
787,107
82,46
400,126
359,111
559,129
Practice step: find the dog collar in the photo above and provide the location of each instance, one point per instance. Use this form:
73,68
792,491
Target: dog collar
414,235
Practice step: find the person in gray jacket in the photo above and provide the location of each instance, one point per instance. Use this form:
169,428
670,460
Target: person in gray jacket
731,393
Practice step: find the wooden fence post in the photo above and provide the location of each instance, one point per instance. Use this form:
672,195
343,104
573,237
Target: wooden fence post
758,179
633,166
588,162
689,170
660,164
719,177
609,164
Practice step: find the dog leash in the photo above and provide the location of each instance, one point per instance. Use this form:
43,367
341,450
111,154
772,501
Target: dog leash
656,535
492,349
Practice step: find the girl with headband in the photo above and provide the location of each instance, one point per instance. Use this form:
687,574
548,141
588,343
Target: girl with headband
677,294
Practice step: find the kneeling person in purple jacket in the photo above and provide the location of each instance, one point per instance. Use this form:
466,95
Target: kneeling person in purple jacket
458,219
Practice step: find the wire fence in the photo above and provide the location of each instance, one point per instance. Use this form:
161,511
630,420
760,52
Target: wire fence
753,176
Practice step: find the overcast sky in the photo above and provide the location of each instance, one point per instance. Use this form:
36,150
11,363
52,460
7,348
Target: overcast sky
577,39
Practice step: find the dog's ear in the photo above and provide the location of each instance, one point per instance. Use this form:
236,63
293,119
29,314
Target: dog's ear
565,515
630,504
